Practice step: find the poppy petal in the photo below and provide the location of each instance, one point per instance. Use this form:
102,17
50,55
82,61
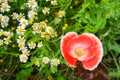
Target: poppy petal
98,50
64,41
84,41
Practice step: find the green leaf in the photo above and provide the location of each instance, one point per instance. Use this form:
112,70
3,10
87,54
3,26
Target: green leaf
53,69
24,73
115,74
115,47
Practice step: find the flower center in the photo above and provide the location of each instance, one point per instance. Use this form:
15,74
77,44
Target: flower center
20,29
24,22
79,51
23,58
32,2
4,7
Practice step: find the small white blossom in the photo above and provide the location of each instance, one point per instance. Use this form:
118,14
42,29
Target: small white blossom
5,7
37,63
20,30
42,24
3,1
46,10
55,62
32,45
32,4
15,15
5,18
1,42
1,17
21,40
23,22
49,29
40,44
20,16
54,2
31,14
26,52
23,58
47,0
1,32
21,47
4,24
7,41
45,60
61,13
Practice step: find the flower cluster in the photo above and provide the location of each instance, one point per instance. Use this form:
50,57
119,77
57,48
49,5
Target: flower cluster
21,29
46,60
53,62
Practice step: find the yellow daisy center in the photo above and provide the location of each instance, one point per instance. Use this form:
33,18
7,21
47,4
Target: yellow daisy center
32,2
4,7
55,62
24,22
20,29
31,45
1,42
23,58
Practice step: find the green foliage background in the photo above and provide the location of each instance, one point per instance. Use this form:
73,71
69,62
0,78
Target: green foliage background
101,17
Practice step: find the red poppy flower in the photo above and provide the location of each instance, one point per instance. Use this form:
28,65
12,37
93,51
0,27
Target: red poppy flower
86,48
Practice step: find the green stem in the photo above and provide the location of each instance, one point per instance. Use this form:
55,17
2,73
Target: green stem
68,5
115,61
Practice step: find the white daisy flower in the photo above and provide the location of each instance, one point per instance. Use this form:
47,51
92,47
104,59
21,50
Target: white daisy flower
20,16
5,18
32,4
61,13
40,44
5,7
1,32
10,34
23,58
49,29
7,41
15,15
54,2
4,24
21,47
3,1
37,63
55,62
42,24
35,26
23,22
31,14
46,10
45,60
1,17
43,34
1,42
47,0
21,40
26,52
32,45
20,30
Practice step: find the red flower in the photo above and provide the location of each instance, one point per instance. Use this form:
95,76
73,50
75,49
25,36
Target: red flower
86,48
